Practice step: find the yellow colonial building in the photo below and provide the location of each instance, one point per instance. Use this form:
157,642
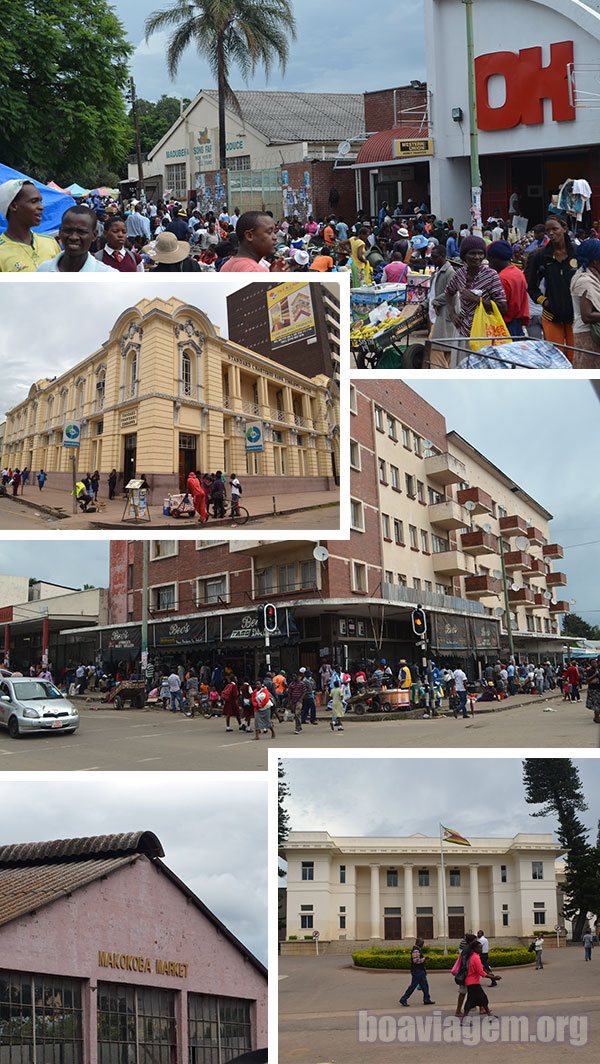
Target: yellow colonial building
166,394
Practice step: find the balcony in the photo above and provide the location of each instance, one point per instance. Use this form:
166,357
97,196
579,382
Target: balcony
535,537
445,469
562,606
482,587
251,408
453,563
521,597
556,579
517,559
448,515
479,542
513,526
535,568
553,550
539,601
483,502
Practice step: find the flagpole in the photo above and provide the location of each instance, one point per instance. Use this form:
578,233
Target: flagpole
443,873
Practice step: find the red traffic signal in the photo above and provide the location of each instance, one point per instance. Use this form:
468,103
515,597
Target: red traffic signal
270,617
419,622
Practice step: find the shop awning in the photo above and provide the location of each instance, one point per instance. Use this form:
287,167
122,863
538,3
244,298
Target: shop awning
395,145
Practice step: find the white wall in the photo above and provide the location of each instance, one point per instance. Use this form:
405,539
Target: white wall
13,589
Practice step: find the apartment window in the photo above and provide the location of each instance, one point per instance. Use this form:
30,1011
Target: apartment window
163,548
306,921
439,544
406,437
354,454
441,589
416,583
537,870
359,576
379,418
130,577
352,399
504,919
308,870
389,576
357,520
428,585
287,577
391,423
164,598
395,477
529,620
392,877
455,877
212,589
502,512
385,526
342,922
417,444
382,471
410,486
539,916
424,542
423,877
503,874
308,573
264,581
342,873
420,491
402,581
398,532
434,496
414,542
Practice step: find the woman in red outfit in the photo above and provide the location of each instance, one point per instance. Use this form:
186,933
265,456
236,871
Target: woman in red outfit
231,704
476,995
198,495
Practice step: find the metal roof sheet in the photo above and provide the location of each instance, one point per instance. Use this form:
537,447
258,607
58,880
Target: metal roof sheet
286,117
380,147
93,846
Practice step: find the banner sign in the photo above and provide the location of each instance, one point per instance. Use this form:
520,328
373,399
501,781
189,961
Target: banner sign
255,437
486,633
122,639
450,632
291,314
72,435
179,633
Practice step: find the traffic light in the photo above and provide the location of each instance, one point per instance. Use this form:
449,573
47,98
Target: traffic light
419,622
270,624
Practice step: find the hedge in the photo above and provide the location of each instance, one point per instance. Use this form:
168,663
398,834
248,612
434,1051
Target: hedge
379,957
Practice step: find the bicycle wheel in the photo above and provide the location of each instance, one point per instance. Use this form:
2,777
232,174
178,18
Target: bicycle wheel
241,517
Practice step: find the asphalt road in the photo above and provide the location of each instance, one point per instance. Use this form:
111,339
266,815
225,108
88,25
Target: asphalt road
18,519
157,741
320,998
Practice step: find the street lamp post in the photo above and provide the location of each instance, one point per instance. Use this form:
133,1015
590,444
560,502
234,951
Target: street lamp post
145,559
511,647
473,136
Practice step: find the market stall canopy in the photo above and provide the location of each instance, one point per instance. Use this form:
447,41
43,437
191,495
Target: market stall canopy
57,188
76,190
56,201
105,191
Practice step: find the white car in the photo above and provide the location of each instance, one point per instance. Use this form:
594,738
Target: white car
29,705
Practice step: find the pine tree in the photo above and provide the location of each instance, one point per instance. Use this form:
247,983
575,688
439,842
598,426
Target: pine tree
283,817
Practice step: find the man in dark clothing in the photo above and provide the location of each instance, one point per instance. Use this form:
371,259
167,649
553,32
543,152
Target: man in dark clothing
217,495
179,226
419,975
296,696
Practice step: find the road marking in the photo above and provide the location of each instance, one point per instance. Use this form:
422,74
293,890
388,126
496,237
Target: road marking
142,759
244,742
91,768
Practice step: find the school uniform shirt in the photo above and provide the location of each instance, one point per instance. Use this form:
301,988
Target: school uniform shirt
16,257
125,261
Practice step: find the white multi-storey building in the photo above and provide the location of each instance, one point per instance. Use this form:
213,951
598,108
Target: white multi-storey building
364,889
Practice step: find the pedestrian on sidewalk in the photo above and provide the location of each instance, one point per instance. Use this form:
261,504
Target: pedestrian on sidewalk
460,969
588,944
164,693
337,707
538,945
574,680
593,691
112,483
476,995
460,678
16,482
175,692
231,704
95,484
296,695
485,951
263,704
235,489
418,975
24,478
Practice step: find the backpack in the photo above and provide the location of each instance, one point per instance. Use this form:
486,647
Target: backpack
463,968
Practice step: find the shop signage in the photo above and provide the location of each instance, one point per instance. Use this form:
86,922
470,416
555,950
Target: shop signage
245,627
129,418
255,437
450,632
403,149
179,634
291,314
527,83
128,962
486,634
124,639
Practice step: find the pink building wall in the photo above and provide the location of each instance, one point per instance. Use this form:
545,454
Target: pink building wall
135,911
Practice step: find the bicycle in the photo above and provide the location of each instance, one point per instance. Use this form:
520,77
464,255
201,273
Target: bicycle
238,517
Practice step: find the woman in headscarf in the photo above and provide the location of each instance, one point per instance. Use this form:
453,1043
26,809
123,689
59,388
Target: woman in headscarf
198,495
473,282
585,293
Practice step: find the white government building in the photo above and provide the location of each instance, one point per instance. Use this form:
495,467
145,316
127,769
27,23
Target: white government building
364,889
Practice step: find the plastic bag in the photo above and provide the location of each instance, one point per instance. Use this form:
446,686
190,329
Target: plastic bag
490,329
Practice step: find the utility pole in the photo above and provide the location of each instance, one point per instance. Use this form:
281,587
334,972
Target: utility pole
511,648
473,136
138,143
145,558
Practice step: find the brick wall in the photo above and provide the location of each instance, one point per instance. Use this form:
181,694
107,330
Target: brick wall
323,178
398,399
379,107
119,559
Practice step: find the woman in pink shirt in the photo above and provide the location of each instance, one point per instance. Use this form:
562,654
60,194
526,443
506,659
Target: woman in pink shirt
396,270
476,995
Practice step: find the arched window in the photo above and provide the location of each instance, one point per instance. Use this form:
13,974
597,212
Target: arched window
132,375
100,389
64,395
186,373
79,399
50,411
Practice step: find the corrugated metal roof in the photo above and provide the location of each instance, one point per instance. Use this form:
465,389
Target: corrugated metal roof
379,147
93,846
24,889
286,117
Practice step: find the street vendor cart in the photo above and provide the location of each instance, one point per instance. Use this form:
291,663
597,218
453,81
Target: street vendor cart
132,691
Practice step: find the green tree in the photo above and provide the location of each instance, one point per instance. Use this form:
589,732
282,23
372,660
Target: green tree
63,69
227,33
156,119
575,625
283,817
555,784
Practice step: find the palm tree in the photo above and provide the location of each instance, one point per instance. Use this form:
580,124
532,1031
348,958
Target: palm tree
247,33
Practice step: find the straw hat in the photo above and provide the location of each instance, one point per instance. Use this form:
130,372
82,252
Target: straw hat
167,248
301,258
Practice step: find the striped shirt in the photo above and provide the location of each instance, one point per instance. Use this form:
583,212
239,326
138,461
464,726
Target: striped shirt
487,281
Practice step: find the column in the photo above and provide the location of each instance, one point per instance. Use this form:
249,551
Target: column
408,908
7,645
45,638
495,921
441,904
474,898
375,903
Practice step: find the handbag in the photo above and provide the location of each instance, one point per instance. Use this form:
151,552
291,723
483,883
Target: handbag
488,328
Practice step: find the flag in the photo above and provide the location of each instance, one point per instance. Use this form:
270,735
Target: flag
453,836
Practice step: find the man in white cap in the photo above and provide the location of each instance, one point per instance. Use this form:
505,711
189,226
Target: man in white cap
21,250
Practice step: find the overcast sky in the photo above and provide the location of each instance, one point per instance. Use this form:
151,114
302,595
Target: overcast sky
398,797
213,830
356,59
542,434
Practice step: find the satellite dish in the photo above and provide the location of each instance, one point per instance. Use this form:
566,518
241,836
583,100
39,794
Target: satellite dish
515,587
487,528
320,554
428,444
344,148
498,611
521,543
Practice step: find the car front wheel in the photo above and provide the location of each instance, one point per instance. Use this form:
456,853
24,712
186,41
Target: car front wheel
13,728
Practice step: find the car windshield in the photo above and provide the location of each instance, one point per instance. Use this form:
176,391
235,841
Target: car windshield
34,690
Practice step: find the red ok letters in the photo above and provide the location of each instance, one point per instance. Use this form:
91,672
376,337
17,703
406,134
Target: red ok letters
528,84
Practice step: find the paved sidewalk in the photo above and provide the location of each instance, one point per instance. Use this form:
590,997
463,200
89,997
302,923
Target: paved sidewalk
320,998
57,504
